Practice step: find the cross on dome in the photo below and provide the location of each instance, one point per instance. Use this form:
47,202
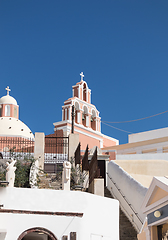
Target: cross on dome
8,90
82,76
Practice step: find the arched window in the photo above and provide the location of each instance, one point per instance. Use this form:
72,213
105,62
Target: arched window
15,111
7,110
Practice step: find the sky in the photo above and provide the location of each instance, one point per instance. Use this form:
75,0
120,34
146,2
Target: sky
120,45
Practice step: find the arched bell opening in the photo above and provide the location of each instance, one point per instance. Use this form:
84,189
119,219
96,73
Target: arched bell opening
85,116
93,120
84,91
37,234
76,112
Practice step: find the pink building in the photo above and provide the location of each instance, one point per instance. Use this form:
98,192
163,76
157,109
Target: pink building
87,122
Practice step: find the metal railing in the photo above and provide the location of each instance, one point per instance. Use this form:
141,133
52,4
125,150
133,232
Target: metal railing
56,152
17,147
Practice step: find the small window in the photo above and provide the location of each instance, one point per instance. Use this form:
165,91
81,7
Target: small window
0,110
7,110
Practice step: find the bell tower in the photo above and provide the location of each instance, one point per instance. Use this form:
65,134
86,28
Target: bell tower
87,122
9,106
86,114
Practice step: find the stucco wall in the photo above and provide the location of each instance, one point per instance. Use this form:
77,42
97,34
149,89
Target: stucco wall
147,156
107,142
145,167
100,215
142,136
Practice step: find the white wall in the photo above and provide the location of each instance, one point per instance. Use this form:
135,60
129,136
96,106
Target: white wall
144,156
143,136
101,215
132,191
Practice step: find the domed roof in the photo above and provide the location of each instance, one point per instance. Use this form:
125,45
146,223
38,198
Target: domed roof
7,100
12,127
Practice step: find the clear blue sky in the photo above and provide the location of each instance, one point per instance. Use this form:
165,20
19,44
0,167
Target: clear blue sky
120,45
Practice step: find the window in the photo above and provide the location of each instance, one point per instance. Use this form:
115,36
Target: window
7,110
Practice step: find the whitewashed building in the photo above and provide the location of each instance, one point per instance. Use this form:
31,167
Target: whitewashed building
43,214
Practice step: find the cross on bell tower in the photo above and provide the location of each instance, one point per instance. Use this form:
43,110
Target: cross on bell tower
82,76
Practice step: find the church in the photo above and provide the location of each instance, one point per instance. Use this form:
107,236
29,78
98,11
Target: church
14,134
87,121
10,125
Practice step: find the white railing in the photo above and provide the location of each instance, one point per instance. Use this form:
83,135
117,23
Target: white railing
55,157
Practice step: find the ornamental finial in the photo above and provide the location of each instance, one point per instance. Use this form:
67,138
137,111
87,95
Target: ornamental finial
8,90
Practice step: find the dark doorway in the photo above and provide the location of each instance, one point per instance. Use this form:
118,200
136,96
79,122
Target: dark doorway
101,165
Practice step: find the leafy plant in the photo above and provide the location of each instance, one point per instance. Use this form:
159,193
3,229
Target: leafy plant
22,172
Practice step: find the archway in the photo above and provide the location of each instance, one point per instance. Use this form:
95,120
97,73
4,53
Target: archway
37,234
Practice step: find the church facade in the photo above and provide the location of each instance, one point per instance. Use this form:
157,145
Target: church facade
87,121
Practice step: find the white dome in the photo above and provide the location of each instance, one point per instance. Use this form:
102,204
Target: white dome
8,100
12,127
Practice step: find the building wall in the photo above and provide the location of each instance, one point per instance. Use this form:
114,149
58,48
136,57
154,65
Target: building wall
144,170
87,136
97,222
160,156
107,141
146,167
148,135
84,140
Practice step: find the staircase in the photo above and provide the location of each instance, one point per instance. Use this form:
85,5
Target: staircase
50,181
127,231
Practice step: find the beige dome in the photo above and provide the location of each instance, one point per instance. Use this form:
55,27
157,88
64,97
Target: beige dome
8,100
12,127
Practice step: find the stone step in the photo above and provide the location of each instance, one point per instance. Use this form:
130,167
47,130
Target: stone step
127,231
